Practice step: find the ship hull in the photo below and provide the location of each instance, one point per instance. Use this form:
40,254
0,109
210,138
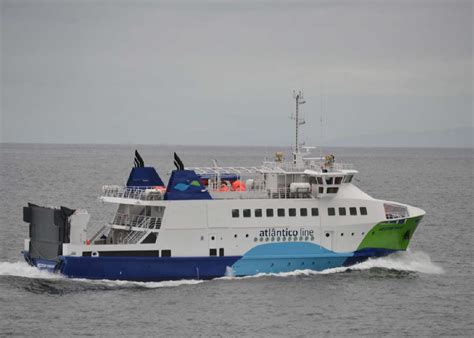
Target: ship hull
150,269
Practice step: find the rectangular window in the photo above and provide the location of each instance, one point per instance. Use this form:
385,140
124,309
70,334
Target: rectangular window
221,251
320,180
292,212
331,212
281,212
269,212
338,180
342,211
258,212
363,211
332,190
314,212
212,252
329,180
165,253
321,190
235,213
353,211
246,212
303,212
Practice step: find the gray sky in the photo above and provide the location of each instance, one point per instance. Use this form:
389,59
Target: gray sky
212,72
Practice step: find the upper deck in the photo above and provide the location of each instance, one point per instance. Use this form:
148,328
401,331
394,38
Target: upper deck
306,178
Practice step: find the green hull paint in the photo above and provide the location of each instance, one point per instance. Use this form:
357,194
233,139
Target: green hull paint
390,236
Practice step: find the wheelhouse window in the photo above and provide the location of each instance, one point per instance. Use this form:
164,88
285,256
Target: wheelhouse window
348,178
363,211
314,212
292,212
353,211
303,212
269,213
281,212
247,213
342,211
329,180
331,212
338,180
258,212
235,213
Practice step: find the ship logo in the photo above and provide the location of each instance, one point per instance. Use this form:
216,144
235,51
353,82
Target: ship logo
184,186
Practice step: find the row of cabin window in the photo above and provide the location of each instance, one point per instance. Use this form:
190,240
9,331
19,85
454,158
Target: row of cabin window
270,212
352,211
335,180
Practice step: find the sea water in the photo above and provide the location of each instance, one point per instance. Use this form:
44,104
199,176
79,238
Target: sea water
425,291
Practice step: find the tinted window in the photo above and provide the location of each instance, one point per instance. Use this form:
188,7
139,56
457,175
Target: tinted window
321,190
269,212
246,212
258,212
221,251
329,180
332,190
292,212
363,211
314,212
320,180
165,253
331,212
353,211
212,252
235,213
281,212
303,212
342,211
338,180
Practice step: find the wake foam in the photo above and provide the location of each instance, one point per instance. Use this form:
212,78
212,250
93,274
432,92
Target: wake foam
22,269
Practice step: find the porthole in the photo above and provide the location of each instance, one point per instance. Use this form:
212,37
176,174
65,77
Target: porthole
302,263
295,238
306,238
312,263
247,235
272,264
289,263
212,238
235,236
255,239
312,238
363,233
289,239
342,234
278,239
283,239
352,234
327,234
273,239
301,238
202,238
261,239
266,239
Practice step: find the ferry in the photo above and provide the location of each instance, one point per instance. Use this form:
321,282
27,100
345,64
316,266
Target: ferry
209,222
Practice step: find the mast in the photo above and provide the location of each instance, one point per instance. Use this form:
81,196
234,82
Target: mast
299,99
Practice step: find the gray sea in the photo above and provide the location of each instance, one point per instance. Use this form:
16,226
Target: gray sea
426,291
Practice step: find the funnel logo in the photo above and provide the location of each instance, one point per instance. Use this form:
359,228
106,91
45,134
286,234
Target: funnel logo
184,186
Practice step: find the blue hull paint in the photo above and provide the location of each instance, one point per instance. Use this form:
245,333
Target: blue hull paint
262,259
146,268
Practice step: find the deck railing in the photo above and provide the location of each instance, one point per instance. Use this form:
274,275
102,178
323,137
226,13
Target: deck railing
140,193
137,221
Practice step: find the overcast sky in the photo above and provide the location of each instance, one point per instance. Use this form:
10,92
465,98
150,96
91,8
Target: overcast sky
210,72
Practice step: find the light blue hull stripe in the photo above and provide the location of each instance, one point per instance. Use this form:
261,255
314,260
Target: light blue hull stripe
286,257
